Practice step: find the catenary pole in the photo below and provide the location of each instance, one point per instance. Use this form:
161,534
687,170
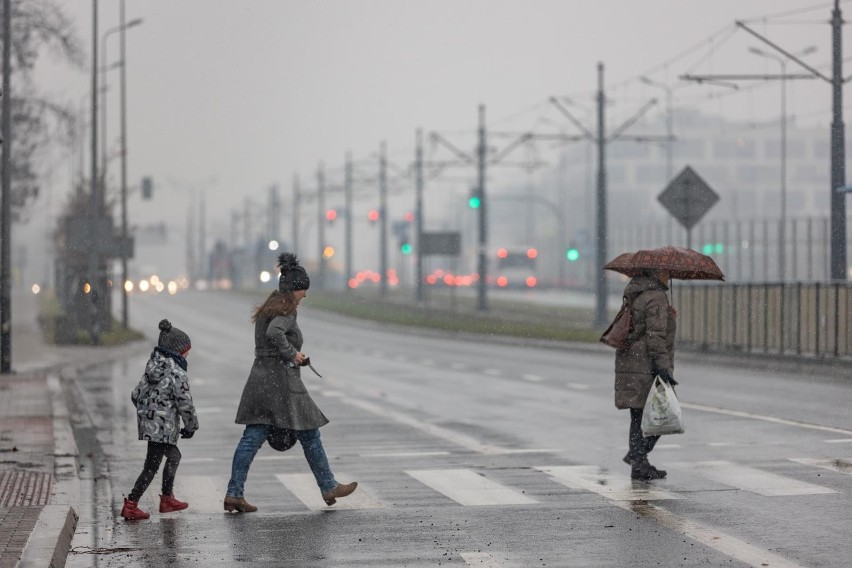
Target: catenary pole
600,236
418,210
5,206
321,224
383,218
124,243
482,269
347,199
838,152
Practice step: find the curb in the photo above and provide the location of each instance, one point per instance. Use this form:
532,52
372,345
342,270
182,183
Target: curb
50,540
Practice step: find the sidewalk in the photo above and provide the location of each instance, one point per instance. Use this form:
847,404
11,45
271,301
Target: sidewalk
39,483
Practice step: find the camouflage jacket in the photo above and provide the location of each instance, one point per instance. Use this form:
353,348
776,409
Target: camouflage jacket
162,400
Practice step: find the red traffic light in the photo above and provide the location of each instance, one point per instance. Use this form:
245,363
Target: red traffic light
409,217
502,253
373,215
331,214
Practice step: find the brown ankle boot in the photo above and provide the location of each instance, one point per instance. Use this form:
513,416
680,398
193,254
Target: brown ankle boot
238,504
342,490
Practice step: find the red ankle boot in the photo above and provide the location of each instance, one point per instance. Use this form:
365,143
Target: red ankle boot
132,512
168,504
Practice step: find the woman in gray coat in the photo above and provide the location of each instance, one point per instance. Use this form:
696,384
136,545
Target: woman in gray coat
650,354
274,395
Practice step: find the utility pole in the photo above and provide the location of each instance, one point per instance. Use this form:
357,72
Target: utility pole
321,224
383,219
482,260
273,219
347,200
124,244
601,139
202,235
418,211
838,151
837,261
600,230
5,205
297,201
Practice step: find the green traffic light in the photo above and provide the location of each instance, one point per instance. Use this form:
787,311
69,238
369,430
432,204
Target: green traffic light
405,248
572,254
708,248
473,202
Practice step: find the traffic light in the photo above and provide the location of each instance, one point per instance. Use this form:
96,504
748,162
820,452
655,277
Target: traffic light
373,215
409,217
405,248
331,215
474,201
713,248
147,188
572,254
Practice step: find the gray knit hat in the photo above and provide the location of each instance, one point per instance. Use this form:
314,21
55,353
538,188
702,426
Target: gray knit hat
293,276
172,338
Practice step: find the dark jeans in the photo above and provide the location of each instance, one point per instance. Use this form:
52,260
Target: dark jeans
640,446
156,452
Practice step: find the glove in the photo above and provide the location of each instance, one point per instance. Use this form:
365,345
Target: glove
305,362
665,376
184,433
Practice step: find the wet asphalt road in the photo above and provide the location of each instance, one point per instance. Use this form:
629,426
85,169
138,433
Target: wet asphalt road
468,454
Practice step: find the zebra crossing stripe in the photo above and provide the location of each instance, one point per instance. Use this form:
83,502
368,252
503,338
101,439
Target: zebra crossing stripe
597,480
304,487
481,559
840,465
754,480
468,488
203,493
708,536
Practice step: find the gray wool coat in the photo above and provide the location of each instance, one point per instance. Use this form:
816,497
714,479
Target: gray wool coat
651,342
274,393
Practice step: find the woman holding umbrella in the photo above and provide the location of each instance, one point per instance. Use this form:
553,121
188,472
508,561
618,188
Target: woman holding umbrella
650,347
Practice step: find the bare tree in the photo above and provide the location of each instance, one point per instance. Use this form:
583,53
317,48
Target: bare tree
39,125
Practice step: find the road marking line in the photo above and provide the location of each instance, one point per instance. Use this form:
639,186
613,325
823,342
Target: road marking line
764,417
405,454
468,488
532,378
839,441
667,446
720,444
304,487
197,460
578,386
482,559
332,393
754,480
289,455
208,410
843,465
598,480
493,372
710,537
437,431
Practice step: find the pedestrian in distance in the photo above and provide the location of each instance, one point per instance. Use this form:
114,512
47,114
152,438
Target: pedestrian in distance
162,400
274,396
649,353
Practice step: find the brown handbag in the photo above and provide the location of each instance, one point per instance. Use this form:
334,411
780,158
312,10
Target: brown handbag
617,335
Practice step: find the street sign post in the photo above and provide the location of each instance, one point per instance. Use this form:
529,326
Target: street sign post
688,198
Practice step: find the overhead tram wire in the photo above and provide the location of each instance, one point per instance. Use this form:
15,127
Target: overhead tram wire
778,15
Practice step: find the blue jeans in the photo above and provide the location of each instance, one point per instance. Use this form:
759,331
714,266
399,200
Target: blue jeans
253,438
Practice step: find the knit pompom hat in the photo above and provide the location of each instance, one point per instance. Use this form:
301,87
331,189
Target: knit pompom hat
293,276
172,338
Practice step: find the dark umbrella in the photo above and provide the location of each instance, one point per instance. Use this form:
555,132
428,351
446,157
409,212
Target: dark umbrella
680,263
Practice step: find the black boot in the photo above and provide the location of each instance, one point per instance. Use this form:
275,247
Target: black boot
644,471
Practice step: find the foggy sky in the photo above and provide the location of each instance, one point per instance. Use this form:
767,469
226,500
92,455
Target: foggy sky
233,96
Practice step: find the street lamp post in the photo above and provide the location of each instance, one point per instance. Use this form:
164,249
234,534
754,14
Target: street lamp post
669,142
782,61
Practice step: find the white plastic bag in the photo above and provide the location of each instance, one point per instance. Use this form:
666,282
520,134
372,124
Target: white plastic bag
662,414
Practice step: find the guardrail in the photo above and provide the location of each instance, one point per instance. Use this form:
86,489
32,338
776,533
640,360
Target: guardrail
805,318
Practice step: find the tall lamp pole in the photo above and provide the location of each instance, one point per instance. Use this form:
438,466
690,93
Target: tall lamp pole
782,61
124,238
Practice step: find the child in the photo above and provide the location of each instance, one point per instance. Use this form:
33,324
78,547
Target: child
162,399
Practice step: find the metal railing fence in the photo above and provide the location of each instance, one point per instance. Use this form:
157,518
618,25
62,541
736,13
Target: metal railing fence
804,318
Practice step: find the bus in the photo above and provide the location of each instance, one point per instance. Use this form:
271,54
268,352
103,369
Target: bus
515,267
